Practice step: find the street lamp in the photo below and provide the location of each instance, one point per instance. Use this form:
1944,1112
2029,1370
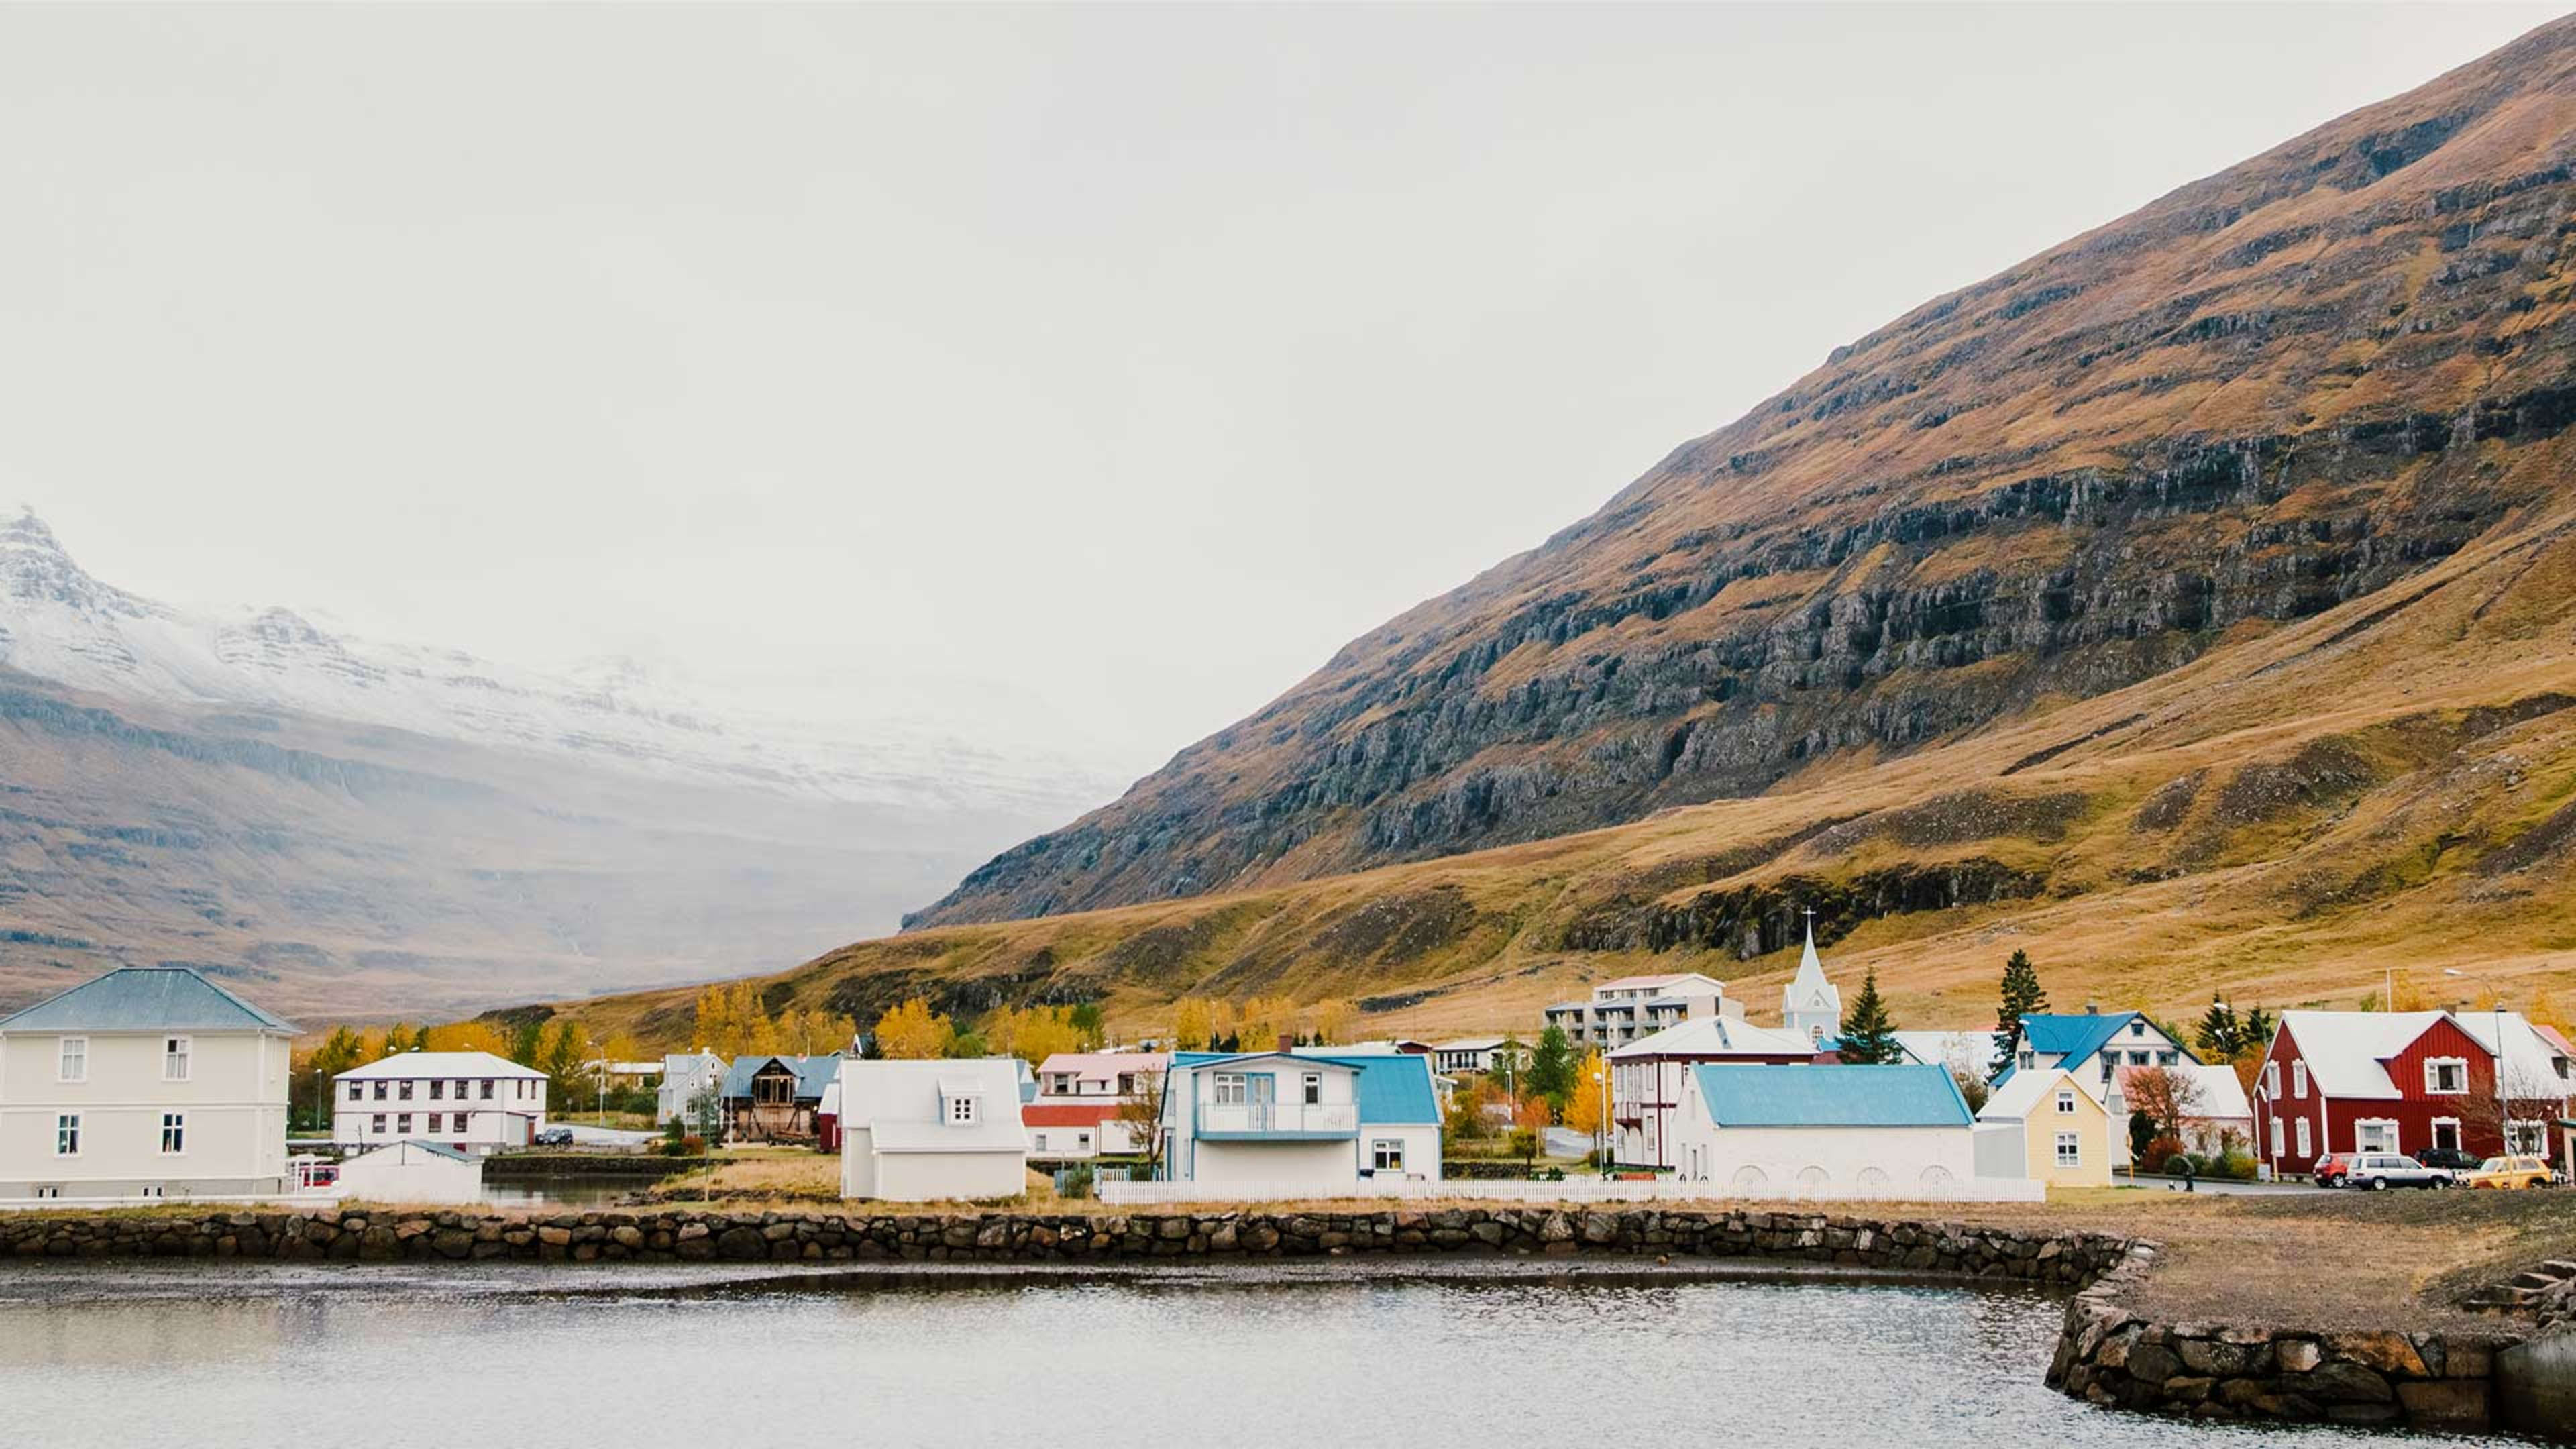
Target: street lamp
1601,1076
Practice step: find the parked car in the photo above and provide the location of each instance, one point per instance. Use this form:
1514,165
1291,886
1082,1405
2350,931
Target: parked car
2377,1170
2332,1169
553,1137
2450,1159
2510,1172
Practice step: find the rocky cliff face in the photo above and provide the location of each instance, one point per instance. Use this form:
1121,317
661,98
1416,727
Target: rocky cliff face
2267,394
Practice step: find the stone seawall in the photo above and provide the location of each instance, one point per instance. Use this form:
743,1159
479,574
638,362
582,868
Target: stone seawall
2109,1355
2068,1259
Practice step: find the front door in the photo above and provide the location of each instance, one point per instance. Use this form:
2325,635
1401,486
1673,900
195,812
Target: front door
1264,1095
2446,1135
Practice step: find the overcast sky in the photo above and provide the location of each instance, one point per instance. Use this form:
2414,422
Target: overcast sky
1101,370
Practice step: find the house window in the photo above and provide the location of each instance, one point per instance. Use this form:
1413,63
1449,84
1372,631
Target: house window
1038,1142
402,1123
2066,1101
1229,1089
2070,1149
377,1123
2168,1059
2137,1028
403,1090
2446,1076
380,1091
2527,1138
2026,1059
2272,1078
357,1091
49,1192
459,1093
73,1064
437,1090
2277,1145
2379,1135
2305,1148
487,1091
2299,1079
1082,1142
961,1111
1386,1155
2446,1133
1313,1087
174,1133
67,1135
174,1059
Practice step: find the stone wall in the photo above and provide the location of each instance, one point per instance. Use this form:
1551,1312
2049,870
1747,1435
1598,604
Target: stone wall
2109,1355
836,1236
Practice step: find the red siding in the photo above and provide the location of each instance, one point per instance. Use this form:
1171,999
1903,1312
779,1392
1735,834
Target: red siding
2414,1110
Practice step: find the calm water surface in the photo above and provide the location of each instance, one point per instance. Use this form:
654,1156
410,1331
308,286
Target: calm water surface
1309,1358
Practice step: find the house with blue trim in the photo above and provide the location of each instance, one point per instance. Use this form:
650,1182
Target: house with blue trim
1303,1122
1838,1131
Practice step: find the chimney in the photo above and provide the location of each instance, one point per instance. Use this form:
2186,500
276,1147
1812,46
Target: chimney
2092,1008
1287,1043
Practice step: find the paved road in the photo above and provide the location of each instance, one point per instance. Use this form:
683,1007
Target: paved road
605,1136
2223,1189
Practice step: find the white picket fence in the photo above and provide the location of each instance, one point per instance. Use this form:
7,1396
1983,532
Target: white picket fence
1572,1190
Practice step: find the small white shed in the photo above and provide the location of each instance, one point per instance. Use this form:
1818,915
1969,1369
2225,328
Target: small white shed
932,1131
412,1172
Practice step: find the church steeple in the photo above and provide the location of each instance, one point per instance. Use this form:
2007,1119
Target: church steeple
1810,1004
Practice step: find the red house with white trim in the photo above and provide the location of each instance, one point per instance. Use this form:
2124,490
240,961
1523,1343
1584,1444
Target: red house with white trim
2405,1081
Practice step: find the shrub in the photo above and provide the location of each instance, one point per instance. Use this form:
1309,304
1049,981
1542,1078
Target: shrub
677,1146
2159,1149
1076,1184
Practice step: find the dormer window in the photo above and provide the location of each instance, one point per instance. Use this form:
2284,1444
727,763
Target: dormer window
2137,1028
961,1111
2066,1101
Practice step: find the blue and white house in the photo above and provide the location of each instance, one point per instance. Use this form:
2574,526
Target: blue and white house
1300,1123
1825,1131
2094,1047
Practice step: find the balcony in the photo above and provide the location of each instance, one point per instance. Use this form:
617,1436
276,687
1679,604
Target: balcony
1277,1121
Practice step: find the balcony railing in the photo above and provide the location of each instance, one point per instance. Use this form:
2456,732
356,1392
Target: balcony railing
1280,1117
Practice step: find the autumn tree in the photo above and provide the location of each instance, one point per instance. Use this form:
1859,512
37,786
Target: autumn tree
2166,1097
466,1036
1584,1100
1333,1018
1263,1020
2021,996
2545,1011
1032,1033
1192,1020
1141,1114
913,1032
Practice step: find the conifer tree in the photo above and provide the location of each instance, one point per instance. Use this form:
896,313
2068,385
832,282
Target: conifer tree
2220,1032
2022,996
1869,1034
1551,1068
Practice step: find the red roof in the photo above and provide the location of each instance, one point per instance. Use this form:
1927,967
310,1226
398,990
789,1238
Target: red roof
1043,1113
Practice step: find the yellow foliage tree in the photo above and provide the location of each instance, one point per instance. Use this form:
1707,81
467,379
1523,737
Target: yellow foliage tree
622,1046
2545,1011
1261,1020
912,1032
466,1036
1583,1108
1333,1018
1192,1018
1032,1033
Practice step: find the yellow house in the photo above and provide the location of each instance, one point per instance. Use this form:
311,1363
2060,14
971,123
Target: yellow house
2040,1123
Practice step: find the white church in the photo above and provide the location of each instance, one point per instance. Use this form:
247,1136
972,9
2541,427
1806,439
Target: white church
1811,1006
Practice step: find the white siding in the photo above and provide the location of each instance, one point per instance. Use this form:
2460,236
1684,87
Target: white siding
232,1108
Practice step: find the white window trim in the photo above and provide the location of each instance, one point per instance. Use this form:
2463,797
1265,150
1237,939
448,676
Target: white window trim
2272,1078
2432,1070
1384,1147
174,1122
2299,1080
2361,1124
2457,1134
70,1121
963,1110
2306,1143
62,1050
2070,1149
2066,1101
185,1057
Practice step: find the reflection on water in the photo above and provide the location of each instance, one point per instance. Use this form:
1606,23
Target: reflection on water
417,1360
566,1191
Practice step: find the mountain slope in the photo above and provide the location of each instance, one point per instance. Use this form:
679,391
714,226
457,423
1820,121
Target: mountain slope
2272,392
357,829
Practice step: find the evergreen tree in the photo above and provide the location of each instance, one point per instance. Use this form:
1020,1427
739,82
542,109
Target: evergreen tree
2220,1032
2022,996
2254,1033
1551,1068
1869,1034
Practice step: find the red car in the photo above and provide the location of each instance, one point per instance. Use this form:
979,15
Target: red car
2332,1169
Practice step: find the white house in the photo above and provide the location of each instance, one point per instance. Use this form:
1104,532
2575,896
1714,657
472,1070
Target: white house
684,1076
412,1172
1300,1123
1648,1079
472,1101
932,1131
1475,1054
2219,1111
146,1082
1839,1130
1621,1011
1108,1076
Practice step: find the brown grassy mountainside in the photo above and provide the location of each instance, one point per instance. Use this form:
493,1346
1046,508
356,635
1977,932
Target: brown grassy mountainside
2193,604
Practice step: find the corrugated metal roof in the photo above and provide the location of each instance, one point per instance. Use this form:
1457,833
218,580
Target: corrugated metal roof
146,998
1392,1090
438,1064
1830,1096
811,1074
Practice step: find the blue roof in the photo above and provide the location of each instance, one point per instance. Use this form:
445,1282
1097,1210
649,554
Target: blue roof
813,1074
1831,1096
2071,1038
146,998
1393,1088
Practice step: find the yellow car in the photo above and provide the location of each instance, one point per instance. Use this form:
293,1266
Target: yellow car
2512,1172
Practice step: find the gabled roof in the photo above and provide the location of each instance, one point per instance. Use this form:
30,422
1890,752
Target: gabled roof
2345,1050
1393,1089
1809,990
1829,1096
2222,1096
901,1104
1718,1036
414,1144
1658,983
1102,1066
1469,1044
2530,1058
438,1064
146,998
811,1074
2073,1037
2014,1100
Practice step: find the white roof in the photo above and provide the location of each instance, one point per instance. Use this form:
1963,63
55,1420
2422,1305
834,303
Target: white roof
2529,1058
439,1064
2344,1049
1103,1066
1469,1044
1809,991
2024,1090
1975,1049
1717,1036
2222,1097
901,1104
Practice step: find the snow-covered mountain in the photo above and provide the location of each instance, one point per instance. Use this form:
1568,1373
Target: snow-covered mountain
60,623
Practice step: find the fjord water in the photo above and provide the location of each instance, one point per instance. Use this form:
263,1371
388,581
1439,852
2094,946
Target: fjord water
397,1358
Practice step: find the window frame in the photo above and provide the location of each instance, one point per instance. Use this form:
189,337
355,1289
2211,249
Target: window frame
2433,1076
963,1110
66,1059
1229,1089
2066,1101
174,1134
1386,1154
2069,1149
1310,1089
67,1134
177,1052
